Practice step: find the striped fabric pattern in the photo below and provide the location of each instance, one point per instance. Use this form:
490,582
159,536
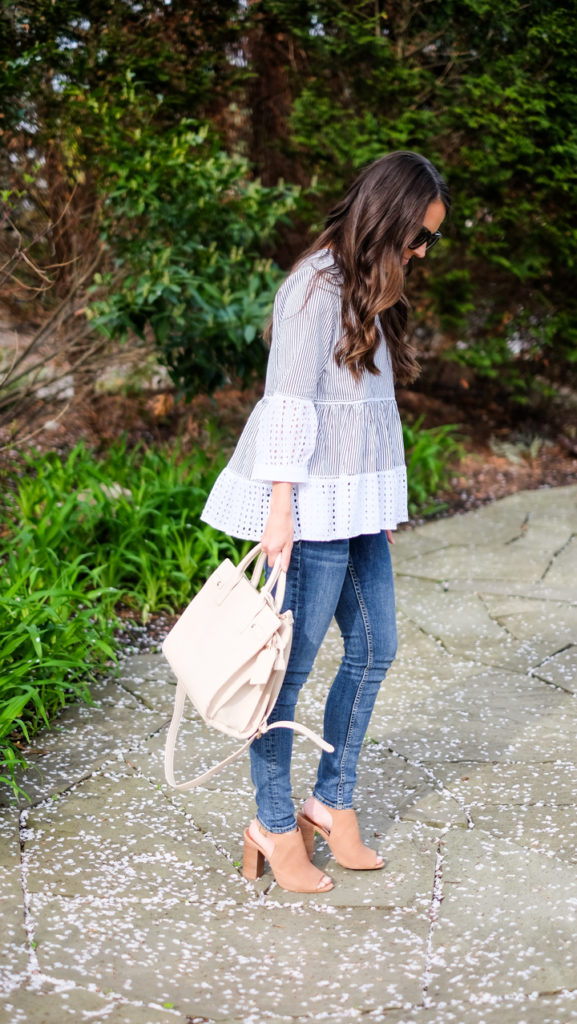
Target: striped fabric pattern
337,439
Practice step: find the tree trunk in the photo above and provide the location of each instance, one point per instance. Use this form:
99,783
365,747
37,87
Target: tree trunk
270,51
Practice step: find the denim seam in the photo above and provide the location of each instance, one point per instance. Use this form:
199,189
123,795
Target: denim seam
368,666
297,555
268,738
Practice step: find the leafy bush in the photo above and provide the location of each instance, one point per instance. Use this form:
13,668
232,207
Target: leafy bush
471,84
54,637
186,227
80,538
153,127
429,455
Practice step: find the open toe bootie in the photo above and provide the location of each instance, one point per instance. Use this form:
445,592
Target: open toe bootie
288,859
343,838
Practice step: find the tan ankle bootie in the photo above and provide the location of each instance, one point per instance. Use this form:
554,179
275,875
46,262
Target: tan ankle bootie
343,838
288,858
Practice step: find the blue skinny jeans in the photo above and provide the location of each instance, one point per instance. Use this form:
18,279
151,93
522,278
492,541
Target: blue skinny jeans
351,580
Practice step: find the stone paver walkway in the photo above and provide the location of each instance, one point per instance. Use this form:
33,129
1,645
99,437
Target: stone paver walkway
123,901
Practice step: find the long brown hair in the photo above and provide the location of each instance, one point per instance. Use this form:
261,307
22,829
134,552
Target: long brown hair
368,232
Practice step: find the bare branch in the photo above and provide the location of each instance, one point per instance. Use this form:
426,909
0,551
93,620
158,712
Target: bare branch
34,433
57,314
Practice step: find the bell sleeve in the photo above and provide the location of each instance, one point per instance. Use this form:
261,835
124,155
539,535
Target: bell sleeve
304,321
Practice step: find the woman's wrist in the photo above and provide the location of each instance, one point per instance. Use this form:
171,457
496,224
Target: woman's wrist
277,538
281,498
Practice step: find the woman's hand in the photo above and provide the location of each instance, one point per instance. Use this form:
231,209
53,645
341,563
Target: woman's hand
278,535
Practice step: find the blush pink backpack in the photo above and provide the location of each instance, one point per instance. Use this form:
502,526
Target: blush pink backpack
229,652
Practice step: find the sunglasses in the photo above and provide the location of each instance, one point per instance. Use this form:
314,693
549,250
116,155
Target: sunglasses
425,237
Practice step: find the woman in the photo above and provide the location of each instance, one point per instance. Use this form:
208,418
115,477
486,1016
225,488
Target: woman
318,476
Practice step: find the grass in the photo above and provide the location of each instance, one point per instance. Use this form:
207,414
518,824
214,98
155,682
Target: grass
84,538
80,539
430,454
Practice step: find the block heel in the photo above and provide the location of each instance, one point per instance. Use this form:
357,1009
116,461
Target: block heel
252,859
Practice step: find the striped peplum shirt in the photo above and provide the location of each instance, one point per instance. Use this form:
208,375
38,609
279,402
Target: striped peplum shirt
338,440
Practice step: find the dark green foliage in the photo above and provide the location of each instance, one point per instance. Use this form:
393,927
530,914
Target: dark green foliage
104,96
489,91
119,100
187,227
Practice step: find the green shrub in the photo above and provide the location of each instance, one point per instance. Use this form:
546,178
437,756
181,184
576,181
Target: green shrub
186,225
80,538
429,455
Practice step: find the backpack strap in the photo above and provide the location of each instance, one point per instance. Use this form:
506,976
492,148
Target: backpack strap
179,702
